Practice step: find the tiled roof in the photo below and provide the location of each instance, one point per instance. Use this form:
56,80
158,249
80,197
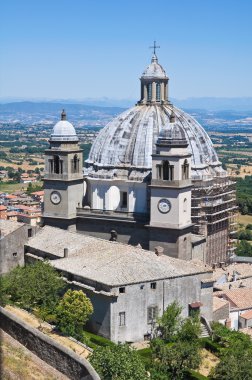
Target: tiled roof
218,303
244,270
108,262
247,315
240,298
8,226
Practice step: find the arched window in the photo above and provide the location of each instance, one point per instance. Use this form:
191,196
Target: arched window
185,170
167,171
158,92
75,164
56,164
149,92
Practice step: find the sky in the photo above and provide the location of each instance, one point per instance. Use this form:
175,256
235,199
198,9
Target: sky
77,49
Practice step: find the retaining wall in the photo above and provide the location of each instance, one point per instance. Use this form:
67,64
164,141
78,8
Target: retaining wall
53,353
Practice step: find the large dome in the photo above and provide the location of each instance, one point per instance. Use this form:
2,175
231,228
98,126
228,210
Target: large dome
126,144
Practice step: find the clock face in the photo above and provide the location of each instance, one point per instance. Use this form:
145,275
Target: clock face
55,197
164,206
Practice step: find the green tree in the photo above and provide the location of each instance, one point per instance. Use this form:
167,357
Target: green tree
177,358
35,286
244,248
120,362
72,312
235,363
183,350
170,322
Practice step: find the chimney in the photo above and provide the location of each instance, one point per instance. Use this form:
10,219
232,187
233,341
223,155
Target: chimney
65,252
159,251
228,323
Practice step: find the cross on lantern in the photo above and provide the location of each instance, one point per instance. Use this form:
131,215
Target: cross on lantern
154,47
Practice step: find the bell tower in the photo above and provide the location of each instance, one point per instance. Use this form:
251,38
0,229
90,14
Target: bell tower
63,180
170,192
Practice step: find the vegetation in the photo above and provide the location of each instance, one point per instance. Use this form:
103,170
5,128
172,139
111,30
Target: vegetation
31,188
176,348
72,313
119,362
244,194
236,355
37,286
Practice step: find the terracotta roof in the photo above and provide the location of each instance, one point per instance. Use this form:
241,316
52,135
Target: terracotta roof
39,193
240,298
10,196
218,303
247,315
3,208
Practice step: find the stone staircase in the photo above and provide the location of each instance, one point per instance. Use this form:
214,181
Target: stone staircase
204,331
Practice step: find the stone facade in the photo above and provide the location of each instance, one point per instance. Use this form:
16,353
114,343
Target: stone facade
13,236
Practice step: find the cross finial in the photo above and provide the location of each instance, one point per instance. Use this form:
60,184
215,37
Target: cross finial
154,47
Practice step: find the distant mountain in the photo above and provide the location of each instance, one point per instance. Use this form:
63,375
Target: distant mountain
205,103
51,107
215,104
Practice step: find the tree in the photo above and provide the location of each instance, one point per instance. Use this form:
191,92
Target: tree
72,312
235,363
177,358
170,322
244,248
35,286
183,350
120,362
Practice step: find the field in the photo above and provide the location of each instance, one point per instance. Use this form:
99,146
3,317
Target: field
11,187
25,165
244,219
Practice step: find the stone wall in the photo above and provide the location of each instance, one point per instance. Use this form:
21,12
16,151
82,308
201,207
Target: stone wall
53,353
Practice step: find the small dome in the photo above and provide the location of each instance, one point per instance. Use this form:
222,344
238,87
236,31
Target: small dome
63,130
172,133
154,70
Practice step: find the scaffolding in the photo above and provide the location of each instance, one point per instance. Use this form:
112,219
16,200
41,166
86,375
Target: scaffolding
214,212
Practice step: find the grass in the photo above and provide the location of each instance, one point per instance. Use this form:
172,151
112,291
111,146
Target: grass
17,363
94,341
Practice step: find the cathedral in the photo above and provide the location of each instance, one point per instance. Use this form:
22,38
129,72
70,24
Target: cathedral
152,179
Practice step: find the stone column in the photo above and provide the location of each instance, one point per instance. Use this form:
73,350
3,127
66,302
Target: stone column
145,93
153,98
162,92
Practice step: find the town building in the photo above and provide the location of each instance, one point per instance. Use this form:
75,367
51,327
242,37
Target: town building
13,236
129,287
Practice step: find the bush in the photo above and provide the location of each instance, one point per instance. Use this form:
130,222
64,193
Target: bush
211,346
73,311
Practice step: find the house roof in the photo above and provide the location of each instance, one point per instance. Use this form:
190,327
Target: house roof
247,314
9,226
108,262
218,303
240,298
39,193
